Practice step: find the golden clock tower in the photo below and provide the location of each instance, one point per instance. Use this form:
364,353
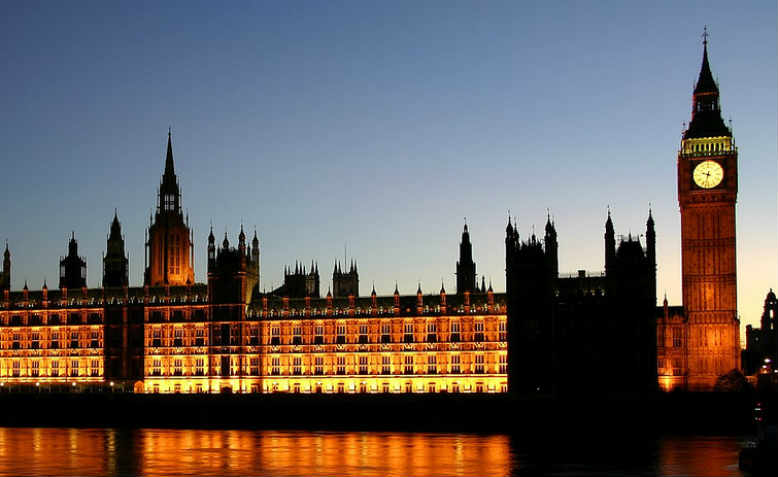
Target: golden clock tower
707,191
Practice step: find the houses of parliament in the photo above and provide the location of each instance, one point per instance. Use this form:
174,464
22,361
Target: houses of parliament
548,333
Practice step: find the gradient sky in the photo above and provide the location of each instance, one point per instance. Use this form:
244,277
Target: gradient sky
378,126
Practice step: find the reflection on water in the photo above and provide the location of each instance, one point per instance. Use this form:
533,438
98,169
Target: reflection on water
280,453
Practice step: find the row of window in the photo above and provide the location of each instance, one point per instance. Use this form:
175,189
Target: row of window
341,388
54,340
56,368
53,319
410,365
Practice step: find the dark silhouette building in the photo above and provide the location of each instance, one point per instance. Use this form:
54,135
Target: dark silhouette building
563,329
233,273
115,262
762,343
72,268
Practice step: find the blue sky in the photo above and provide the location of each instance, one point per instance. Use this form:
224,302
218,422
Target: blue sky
377,126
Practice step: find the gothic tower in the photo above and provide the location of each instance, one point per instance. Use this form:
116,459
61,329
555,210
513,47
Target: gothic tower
465,265
72,268
707,191
345,283
115,262
169,259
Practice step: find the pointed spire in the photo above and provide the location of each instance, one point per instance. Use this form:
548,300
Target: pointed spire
7,253
169,168
211,238
45,286
650,221
418,290
255,240
225,243
442,289
609,222
396,290
372,293
25,286
705,82
490,286
509,227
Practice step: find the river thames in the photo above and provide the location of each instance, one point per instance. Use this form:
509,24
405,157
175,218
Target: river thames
68,451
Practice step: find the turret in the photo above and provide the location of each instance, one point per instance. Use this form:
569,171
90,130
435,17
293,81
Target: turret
115,261
651,252
72,268
211,250
552,247
610,244
5,275
242,241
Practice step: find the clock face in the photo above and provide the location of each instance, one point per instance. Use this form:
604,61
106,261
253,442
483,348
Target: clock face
708,174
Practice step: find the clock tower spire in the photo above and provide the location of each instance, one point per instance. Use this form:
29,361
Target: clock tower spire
707,192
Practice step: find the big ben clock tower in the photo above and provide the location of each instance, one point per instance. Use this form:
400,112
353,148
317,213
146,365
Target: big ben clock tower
707,191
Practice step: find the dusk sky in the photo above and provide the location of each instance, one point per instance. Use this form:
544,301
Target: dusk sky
378,126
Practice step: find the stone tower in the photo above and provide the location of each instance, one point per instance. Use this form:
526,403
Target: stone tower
169,252
707,191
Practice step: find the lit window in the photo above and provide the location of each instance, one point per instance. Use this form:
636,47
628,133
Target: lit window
408,335
479,363
454,338
503,334
677,337
341,333
363,334
297,332
363,365
319,334
432,364
386,330
432,332
35,368
55,368
503,363
275,365
319,366
297,366
478,331
275,335
386,364
341,369
94,368
408,369
455,362
177,365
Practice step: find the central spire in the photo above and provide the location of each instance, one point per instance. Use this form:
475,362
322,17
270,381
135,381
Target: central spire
169,169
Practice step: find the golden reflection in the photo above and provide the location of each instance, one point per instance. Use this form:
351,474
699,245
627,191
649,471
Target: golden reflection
213,452
91,452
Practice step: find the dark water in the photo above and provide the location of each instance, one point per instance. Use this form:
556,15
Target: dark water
58,451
